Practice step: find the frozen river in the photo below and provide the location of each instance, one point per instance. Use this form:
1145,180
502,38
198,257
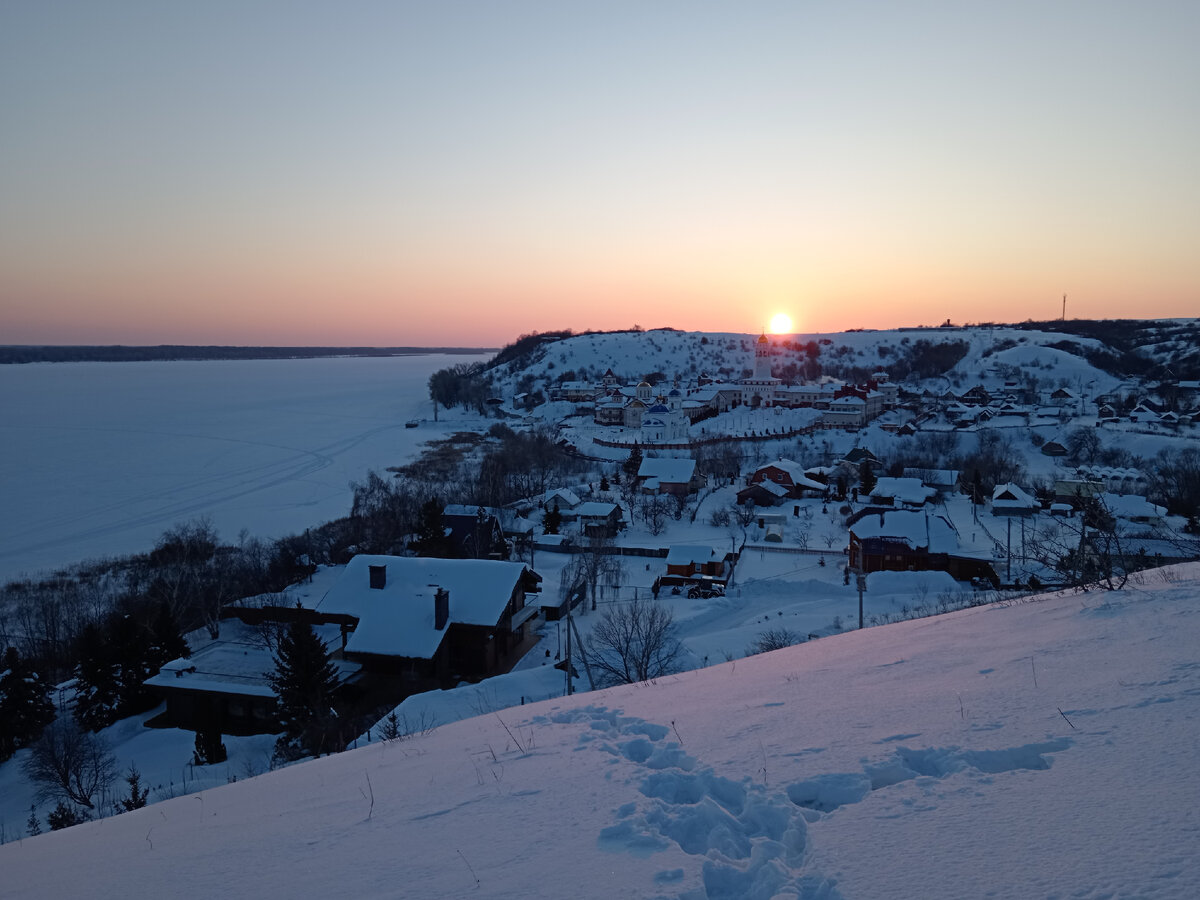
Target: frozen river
98,459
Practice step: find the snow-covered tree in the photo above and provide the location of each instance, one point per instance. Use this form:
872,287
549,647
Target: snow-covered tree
25,704
97,694
305,680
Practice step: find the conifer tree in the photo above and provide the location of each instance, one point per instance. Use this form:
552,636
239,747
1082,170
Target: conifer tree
32,825
64,816
116,658
97,693
634,462
866,477
431,530
305,680
137,794
133,663
552,521
25,704
167,641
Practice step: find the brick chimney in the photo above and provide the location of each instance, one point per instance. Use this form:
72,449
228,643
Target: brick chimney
441,608
378,576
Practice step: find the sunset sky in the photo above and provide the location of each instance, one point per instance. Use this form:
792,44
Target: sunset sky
458,173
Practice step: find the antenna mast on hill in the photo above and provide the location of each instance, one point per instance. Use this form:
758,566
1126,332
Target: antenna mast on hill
1064,315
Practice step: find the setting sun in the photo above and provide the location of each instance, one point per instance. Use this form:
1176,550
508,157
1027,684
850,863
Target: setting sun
781,323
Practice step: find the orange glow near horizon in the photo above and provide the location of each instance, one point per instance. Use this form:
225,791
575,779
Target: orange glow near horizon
324,190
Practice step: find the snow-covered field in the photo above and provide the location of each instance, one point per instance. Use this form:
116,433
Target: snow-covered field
99,459
1041,748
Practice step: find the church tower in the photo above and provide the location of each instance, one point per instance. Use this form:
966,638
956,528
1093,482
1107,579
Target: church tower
762,358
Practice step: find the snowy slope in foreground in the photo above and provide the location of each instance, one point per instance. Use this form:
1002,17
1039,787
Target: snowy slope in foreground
1045,748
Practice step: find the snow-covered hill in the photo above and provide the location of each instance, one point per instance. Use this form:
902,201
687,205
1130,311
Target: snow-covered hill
987,356
1043,748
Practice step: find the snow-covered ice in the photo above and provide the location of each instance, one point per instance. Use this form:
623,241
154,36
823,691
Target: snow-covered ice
98,459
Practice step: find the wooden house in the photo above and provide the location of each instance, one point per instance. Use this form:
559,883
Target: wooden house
789,475
677,477
913,541
430,623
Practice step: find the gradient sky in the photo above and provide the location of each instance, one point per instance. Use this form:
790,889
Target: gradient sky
457,173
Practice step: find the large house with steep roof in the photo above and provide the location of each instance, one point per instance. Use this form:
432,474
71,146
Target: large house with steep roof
907,540
433,622
788,475
669,476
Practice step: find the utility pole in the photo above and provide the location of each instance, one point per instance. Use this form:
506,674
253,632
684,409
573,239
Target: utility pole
860,580
587,667
1008,570
570,597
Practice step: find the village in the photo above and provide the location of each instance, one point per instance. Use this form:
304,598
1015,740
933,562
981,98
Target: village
776,503
850,537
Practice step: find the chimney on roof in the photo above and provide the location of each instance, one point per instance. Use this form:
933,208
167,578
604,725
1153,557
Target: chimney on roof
378,576
441,608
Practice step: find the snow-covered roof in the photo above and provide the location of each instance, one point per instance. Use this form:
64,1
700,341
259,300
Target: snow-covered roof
686,554
566,499
465,509
795,471
935,477
237,664
847,402
904,490
1111,473
916,528
397,619
595,509
1010,496
773,488
668,471
510,521
1132,506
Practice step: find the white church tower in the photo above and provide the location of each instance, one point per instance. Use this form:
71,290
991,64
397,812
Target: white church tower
762,358
759,390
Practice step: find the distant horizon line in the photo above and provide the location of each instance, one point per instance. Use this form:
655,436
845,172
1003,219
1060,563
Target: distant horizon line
240,347
8,349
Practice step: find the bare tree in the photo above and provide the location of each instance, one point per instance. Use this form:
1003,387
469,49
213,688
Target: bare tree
744,513
634,642
719,461
1083,444
595,564
801,532
773,639
655,508
69,763
1087,549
